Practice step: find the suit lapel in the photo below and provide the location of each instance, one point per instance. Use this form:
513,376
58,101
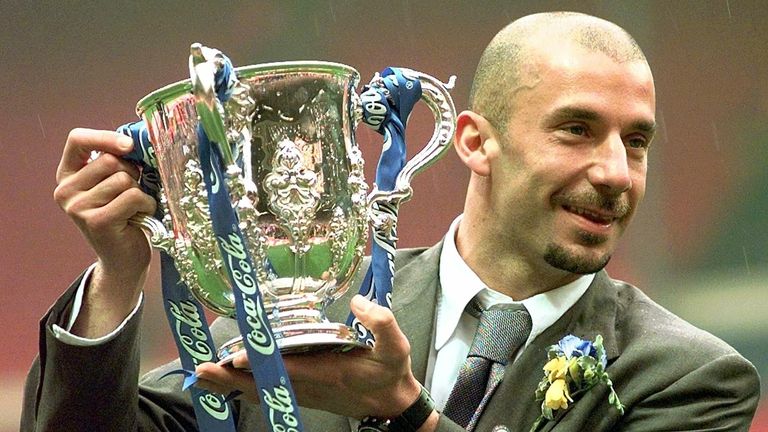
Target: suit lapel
414,297
416,288
514,402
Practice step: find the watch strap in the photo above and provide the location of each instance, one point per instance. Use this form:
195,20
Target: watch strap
415,415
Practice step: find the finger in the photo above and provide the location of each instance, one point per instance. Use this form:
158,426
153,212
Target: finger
380,321
129,203
224,380
319,368
74,201
107,164
81,142
240,360
79,191
115,199
213,387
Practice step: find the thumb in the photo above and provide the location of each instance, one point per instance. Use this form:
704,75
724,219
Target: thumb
381,322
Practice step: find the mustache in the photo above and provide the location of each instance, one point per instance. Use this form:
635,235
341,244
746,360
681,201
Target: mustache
618,206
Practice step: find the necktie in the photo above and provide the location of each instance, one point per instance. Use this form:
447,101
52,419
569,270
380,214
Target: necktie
501,331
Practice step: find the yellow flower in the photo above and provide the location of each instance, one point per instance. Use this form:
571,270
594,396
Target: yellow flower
557,368
557,395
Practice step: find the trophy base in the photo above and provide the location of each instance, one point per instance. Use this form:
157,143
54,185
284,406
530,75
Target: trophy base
301,338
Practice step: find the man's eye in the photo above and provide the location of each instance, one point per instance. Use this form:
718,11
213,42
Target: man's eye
638,143
576,130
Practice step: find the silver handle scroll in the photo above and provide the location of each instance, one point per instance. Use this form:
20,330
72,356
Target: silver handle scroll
435,94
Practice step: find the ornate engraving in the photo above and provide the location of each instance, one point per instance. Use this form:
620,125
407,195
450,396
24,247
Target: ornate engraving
359,192
338,231
292,194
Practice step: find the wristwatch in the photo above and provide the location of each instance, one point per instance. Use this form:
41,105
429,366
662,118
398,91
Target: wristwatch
409,420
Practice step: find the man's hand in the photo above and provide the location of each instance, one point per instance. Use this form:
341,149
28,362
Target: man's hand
100,196
355,384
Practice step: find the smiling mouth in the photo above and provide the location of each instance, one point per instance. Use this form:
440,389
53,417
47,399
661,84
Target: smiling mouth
595,216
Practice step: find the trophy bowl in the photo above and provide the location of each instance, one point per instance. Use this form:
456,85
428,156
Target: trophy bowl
295,181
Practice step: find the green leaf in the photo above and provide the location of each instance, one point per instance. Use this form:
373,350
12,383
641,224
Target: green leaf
542,388
575,371
599,348
547,412
589,375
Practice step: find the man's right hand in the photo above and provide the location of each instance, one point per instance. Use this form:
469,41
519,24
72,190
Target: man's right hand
100,196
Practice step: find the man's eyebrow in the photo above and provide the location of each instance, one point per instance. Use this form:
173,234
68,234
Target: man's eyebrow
648,127
572,113
578,113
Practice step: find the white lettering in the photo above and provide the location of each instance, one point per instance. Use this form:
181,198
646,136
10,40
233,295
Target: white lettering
259,337
196,344
280,404
215,183
214,406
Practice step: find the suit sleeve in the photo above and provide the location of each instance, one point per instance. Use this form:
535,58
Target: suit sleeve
444,424
95,388
721,395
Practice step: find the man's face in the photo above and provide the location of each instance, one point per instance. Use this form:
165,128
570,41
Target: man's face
570,169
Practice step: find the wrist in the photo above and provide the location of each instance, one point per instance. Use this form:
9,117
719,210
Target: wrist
116,284
107,300
420,416
430,425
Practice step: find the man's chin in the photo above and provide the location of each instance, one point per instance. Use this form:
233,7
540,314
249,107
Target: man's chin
582,262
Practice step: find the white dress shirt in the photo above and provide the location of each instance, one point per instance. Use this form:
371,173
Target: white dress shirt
455,329
64,333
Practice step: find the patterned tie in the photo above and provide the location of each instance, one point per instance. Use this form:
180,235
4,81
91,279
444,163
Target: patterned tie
502,330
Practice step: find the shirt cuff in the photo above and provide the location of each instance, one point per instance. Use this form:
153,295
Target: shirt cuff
64,335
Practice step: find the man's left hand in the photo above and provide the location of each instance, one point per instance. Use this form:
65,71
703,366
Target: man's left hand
376,382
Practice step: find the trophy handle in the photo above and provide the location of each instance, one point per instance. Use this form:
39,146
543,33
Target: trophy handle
204,62
435,94
156,233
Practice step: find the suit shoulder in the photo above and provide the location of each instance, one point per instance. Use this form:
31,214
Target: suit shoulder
645,324
405,256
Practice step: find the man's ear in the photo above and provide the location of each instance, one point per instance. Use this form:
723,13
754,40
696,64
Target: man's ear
475,142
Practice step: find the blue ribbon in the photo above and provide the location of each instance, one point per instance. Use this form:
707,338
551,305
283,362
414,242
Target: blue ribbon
278,401
387,102
186,316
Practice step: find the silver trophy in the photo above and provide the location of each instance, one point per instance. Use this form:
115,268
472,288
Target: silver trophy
296,181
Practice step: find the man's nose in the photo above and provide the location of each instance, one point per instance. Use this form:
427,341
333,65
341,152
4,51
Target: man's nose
609,172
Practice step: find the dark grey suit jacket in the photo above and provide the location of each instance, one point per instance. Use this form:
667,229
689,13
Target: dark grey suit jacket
670,375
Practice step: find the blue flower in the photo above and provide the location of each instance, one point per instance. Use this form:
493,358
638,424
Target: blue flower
572,346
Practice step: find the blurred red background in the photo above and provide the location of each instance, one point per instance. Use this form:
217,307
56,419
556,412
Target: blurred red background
699,244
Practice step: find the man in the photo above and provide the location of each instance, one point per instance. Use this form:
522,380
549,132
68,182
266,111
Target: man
561,119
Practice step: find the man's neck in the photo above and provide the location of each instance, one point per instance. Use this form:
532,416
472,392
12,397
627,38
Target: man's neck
511,273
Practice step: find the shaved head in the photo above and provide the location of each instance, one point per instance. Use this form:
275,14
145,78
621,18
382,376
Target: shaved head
502,67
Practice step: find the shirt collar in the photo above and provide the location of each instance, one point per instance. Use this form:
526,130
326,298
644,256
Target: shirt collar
459,284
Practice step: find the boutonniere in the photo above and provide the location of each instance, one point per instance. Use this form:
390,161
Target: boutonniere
575,365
